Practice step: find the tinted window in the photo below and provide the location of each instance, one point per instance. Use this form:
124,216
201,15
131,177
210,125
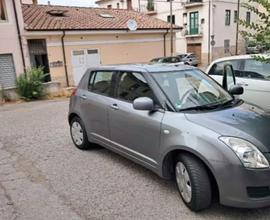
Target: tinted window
100,82
256,70
132,86
218,68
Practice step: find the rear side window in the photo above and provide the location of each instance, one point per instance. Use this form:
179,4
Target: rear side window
217,68
256,70
133,85
101,82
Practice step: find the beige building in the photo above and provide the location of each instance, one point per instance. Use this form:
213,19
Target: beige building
11,59
68,40
203,22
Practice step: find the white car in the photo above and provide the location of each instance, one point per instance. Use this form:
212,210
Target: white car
252,75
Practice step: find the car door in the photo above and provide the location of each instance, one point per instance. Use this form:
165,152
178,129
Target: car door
255,79
135,132
95,102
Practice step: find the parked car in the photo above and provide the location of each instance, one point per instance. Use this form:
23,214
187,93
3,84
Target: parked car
189,59
182,125
253,48
167,60
253,75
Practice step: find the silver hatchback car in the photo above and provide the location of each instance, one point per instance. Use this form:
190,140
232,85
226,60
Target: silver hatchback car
182,125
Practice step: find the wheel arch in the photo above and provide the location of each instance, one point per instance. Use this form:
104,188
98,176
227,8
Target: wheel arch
169,161
72,115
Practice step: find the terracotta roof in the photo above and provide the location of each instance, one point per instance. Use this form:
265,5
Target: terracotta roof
45,17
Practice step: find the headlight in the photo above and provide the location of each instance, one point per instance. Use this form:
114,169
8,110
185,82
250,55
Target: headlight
248,154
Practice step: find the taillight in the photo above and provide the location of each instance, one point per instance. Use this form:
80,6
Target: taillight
74,92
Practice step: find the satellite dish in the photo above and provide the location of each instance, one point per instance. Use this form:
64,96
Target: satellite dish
132,25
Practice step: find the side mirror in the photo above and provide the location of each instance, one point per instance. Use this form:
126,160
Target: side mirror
236,90
143,103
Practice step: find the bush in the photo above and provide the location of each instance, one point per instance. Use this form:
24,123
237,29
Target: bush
30,85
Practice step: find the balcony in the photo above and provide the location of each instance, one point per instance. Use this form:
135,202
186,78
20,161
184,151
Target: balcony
193,3
150,10
193,32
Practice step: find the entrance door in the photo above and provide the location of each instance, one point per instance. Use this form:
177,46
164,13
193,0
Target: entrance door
82,60
196,49
7,71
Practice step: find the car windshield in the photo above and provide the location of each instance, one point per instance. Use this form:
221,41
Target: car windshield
191,89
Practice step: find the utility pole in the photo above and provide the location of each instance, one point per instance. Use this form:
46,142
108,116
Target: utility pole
171,28
237,27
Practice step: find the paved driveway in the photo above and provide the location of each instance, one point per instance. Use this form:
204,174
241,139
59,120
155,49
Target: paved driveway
43,176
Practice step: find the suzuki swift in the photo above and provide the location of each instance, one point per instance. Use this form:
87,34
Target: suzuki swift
182,125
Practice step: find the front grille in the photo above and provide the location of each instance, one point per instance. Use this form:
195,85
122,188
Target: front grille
258,192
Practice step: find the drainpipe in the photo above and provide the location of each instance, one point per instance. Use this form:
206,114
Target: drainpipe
19,34
209,32
164,42
64,57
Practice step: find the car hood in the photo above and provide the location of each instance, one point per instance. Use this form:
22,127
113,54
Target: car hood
244,121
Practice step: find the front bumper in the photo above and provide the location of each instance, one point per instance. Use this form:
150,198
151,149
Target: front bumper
241,187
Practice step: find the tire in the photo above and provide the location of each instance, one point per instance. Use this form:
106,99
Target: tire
77,128
200,195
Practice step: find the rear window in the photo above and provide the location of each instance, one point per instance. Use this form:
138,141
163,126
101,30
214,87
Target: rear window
101,82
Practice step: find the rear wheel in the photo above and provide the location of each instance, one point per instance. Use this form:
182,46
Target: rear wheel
193,182
78,134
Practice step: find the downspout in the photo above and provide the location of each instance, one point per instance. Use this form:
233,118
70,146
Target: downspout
164,42
64,57
19,34
209,32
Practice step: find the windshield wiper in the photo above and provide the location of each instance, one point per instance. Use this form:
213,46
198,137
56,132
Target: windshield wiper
200,107
212,106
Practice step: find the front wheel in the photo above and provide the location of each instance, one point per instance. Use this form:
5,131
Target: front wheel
193,182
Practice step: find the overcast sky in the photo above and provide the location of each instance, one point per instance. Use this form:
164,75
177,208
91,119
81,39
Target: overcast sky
69,2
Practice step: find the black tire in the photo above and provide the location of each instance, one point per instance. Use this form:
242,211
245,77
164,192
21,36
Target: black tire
85,144
201,193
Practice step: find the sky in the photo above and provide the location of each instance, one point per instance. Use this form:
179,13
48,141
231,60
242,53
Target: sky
69,2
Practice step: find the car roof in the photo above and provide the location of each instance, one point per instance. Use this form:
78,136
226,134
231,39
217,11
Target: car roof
238,57
143,68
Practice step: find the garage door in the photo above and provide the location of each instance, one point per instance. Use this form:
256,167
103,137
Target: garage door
7,71
82,60
196,49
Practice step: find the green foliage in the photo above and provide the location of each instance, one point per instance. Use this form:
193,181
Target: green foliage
30,85
150,5
259,31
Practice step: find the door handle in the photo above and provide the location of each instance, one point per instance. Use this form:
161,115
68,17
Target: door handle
83,97
243,84
114,107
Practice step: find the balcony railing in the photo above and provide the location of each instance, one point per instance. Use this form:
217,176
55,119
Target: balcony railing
149,10
193,3
194,31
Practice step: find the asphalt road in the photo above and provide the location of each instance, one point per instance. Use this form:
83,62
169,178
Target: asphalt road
43,176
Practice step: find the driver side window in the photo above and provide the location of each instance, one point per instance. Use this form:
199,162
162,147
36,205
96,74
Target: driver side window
133,85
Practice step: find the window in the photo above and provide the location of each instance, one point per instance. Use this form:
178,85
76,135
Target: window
217,68
227,17
100,82
194,23
109,6
248,17
132,86
256,70
117,5
3,12
235,16
226,46
169,19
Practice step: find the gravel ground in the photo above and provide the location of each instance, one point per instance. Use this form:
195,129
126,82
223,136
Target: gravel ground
43,176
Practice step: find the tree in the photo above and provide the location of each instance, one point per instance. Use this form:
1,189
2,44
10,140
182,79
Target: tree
258,32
